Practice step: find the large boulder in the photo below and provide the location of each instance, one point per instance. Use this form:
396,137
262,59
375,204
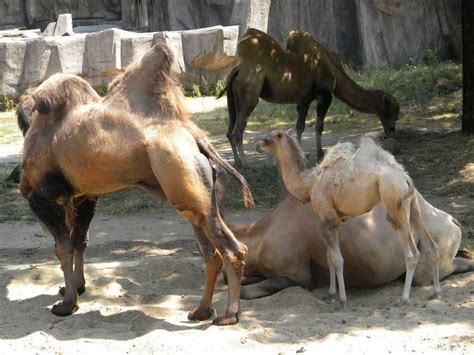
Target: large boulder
12,54
133,48
104,56
251,13
218,40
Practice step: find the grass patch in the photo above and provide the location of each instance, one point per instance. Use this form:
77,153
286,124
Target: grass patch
129,201
14,206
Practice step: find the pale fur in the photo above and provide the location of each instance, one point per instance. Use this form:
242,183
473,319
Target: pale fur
348,183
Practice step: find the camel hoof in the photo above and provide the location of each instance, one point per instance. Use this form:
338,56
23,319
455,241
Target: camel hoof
226,320
329,298
63,309
80,290
201,313
435,296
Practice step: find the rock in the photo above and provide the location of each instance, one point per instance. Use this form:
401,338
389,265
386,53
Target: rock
448,84
218,39
95,28
133,48
251,13
103,53
12,53
49,30
174,41
63,25
67,55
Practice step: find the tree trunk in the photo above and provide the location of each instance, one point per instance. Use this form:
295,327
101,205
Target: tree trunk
468,66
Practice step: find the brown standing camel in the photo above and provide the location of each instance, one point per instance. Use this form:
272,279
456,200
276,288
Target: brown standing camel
349,183
286,248
78,148
304,73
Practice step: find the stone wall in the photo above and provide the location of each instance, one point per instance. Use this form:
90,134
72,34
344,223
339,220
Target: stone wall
363,32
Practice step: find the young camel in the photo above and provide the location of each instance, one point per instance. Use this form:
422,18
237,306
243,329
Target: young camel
348,183
78,148
304,73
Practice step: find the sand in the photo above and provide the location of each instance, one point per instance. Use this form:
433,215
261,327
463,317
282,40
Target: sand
144,274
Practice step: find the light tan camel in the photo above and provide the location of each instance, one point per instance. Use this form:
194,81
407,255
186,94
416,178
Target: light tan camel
300,75
350,182
78,148
286,248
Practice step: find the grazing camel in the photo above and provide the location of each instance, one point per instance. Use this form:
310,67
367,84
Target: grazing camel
286,248
304,73
348,183
78,148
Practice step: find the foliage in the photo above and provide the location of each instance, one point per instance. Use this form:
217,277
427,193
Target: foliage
8,102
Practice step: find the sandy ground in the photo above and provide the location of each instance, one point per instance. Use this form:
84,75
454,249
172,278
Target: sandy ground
144,273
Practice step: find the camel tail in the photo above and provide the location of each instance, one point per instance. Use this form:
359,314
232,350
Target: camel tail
230,79
411,190
210,152
464,253
23,113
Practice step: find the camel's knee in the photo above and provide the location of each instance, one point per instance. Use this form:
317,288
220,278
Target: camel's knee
411,259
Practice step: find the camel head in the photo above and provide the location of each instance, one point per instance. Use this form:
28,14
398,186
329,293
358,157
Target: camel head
270,143
388,110
278,143
56,96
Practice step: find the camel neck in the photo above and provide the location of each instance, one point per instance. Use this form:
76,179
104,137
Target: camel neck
354,95
293,175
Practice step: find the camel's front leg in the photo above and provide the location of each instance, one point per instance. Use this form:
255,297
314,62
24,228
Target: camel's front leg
213,262
336,262
43,203
302,109
324,101
85,210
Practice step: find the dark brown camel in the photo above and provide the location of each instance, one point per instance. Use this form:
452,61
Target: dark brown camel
300,75
78,148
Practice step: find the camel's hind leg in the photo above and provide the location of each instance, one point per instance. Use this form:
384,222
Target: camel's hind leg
188,182
417,223
43,203
398,215
213,262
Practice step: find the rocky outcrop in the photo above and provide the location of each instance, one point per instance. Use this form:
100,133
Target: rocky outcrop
363,32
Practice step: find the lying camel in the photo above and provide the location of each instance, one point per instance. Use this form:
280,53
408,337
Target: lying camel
79,147
304,73
349,183
286,248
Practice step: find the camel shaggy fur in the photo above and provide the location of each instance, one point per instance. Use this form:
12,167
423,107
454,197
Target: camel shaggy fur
79,147
300,75
348,183
286,248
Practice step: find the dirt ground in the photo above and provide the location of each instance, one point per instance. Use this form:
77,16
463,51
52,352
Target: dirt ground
144,274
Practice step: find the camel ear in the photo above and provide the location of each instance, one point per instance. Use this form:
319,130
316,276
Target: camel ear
290,131
43,106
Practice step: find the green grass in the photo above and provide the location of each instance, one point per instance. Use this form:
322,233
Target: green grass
414,87
422,106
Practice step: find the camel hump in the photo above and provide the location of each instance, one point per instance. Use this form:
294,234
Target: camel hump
162,56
